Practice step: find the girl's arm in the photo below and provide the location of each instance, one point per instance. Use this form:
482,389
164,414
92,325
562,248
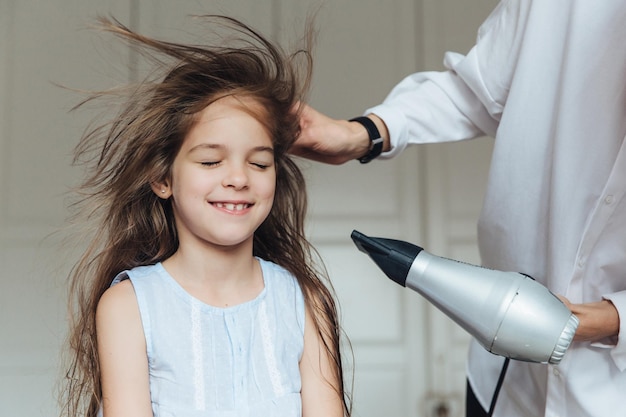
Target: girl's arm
122,354
321,396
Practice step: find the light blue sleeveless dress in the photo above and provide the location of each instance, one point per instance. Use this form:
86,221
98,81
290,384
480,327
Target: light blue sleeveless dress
239,361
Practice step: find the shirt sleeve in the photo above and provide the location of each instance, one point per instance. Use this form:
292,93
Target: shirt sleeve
467,100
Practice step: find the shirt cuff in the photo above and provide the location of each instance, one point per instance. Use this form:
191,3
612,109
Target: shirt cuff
396,126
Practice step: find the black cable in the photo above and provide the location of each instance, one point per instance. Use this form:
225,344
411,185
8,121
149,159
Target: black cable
505,366
498,386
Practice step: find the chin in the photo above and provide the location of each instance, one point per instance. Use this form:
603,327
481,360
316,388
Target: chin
229,242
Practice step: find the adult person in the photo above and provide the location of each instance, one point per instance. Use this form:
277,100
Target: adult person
547,79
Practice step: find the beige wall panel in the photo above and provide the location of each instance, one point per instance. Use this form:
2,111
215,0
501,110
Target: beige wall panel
456,179
52,47
408,358
380,392
42,43
175,19
363,48
361,289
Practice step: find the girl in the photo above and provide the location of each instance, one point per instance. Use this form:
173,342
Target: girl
197,295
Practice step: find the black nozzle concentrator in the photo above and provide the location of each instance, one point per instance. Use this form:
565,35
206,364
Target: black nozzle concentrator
508,313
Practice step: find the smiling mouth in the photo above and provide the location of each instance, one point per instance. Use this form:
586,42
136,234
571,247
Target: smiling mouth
233,206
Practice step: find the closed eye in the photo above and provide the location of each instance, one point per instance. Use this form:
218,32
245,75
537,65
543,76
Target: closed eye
260,165
210,163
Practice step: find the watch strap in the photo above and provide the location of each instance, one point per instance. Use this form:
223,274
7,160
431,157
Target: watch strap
376,140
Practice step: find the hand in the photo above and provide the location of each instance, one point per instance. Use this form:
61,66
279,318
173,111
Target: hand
598,320
328,140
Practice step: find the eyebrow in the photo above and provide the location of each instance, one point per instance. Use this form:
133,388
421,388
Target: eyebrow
219,146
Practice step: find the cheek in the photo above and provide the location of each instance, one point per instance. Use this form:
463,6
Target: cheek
269,189
272,185
193,179
266,189
189,191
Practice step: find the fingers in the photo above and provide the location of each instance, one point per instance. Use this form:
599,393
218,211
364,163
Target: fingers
565,301
598,320
305,151
322,138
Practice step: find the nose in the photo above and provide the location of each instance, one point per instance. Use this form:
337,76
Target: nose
236,177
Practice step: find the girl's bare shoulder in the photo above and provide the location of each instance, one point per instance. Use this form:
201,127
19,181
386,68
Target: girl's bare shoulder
118,301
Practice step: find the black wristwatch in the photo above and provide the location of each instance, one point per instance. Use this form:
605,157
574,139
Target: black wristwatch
376,140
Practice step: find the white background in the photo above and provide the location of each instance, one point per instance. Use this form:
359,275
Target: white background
408,358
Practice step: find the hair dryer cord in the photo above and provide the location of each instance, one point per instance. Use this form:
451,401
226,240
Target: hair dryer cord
498,386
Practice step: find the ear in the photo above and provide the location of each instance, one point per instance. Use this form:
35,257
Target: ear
162,189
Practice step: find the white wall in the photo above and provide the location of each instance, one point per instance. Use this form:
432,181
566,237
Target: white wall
408,358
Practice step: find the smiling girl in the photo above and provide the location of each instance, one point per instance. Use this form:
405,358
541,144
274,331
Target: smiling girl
198,294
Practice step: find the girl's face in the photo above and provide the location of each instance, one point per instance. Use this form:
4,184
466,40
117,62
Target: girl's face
223,178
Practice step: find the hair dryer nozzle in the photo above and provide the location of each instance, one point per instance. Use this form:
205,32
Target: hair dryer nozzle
394,257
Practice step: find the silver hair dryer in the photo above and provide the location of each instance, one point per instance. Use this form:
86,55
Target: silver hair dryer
508,313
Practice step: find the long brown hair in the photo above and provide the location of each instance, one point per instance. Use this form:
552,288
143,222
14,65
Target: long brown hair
132,226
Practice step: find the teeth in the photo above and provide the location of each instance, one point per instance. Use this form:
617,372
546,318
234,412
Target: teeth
232,206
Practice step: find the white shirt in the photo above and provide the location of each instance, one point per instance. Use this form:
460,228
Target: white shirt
547,79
